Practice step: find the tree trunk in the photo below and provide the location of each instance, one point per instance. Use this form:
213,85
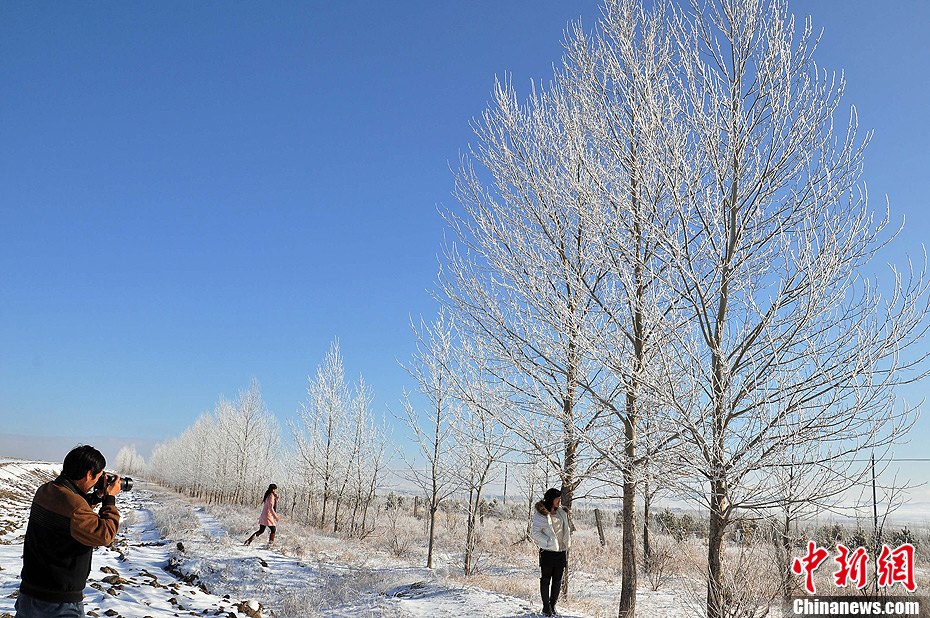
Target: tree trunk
785,558
628,582
571,447
627,607
647,546
336,513
715,593
432,535
473,502
325,503
529,515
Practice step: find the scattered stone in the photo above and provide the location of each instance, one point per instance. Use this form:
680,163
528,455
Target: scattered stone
145,573
111,612
115,579
246,608
180,546
110,570
263,563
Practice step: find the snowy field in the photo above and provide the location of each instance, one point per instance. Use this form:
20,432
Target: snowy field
176,558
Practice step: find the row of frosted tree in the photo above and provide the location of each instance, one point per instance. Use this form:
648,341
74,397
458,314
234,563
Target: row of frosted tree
227,455
231,454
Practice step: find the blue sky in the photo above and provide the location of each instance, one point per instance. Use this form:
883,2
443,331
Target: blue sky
195,194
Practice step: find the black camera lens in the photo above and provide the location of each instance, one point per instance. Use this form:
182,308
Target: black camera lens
107,479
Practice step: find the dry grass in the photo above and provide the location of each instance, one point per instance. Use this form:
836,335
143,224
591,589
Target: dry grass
508,563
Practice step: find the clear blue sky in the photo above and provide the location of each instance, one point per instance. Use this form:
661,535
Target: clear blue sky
193,194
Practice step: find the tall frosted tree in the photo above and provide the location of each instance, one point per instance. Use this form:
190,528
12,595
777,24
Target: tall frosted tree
320,433
555,270
252,437
433,368
618,80
517,277
481,440
793,353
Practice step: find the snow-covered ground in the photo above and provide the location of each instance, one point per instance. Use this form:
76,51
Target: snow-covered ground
176,557
203,571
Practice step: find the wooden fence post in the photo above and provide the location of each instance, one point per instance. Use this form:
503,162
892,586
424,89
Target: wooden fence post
600,527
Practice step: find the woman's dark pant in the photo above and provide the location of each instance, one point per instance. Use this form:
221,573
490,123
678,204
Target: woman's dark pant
261,529
552,566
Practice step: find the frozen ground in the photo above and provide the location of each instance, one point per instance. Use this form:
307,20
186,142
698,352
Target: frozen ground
176,557
205,572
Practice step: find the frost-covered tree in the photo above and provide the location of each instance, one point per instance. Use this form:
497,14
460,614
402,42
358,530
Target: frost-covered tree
557,273
433,369
129,461
321,431
340,451
250,436
481,439
793,354
364,453
617,84
518,275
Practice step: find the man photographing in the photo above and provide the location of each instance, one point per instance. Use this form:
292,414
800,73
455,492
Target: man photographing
61,535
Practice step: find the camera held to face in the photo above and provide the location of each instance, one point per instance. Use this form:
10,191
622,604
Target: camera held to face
106,479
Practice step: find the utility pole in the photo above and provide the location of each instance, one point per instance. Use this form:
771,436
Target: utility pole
506,469
874,526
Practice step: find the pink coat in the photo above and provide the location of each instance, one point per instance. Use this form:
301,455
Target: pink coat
269,517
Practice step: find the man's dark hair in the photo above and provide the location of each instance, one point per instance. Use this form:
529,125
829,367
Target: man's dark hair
82,459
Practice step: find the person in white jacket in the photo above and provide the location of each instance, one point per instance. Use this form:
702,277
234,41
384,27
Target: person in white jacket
551,531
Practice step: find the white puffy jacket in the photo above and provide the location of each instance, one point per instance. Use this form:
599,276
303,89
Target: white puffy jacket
550,529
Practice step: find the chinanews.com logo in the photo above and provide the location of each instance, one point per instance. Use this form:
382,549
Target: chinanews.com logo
844,607
893,571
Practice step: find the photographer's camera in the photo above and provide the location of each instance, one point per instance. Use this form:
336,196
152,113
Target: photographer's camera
107,479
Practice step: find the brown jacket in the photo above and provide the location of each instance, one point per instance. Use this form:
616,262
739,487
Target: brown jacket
61,535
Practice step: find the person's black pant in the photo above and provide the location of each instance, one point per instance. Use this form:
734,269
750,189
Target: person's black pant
552,566
259,532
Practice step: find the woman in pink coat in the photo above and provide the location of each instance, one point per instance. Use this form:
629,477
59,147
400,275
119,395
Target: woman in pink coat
268,517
